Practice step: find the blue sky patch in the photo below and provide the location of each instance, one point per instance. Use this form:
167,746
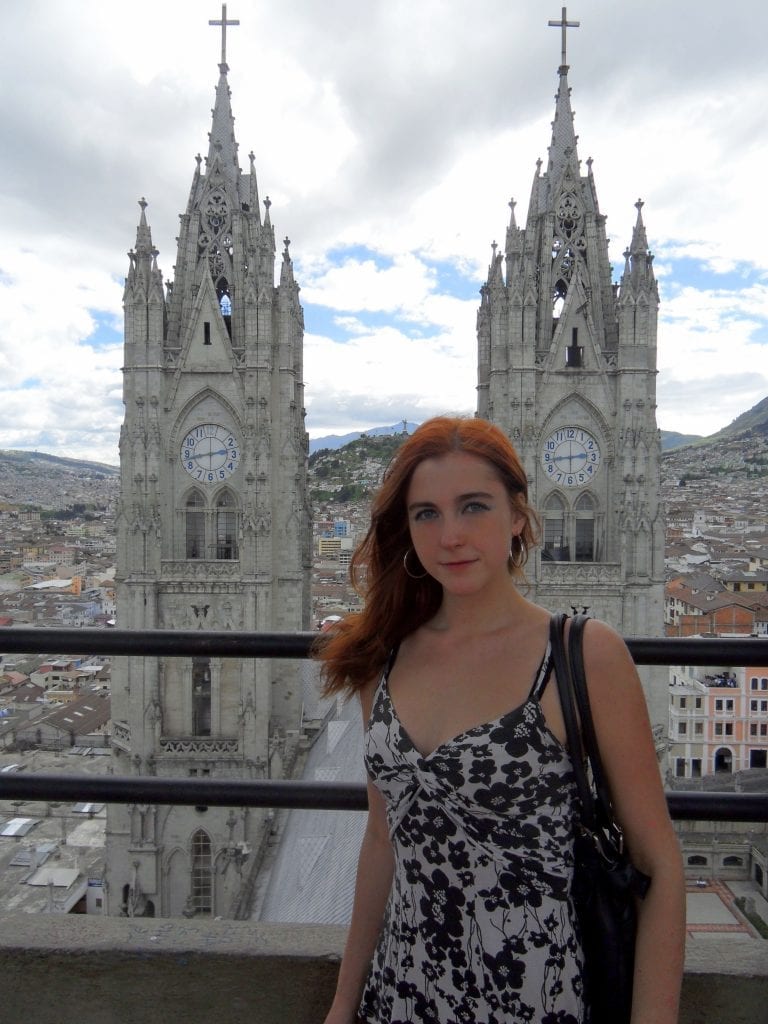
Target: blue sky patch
690,272
105,334
452,280
329,323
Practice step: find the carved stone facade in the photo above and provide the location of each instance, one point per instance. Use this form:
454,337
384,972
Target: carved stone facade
213,531
567,368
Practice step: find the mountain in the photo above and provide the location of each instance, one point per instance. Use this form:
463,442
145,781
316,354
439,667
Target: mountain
334,441
755,419
671,439
353,472
53,482
25,461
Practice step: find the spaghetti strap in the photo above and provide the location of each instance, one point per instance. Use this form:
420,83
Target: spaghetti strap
542,675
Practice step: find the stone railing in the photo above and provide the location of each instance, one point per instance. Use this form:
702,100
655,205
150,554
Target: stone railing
99,970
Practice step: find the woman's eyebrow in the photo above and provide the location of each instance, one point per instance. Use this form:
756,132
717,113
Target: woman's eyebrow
458,499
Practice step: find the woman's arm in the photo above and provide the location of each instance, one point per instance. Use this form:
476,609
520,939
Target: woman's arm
374,879
627,750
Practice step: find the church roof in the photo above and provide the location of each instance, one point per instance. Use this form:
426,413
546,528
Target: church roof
312,878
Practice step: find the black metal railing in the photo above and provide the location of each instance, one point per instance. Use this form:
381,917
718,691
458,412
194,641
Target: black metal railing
230,644
687,806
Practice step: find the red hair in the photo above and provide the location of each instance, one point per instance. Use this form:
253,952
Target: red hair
396,604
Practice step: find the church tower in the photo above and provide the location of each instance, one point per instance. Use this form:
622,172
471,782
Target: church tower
213,530
567,368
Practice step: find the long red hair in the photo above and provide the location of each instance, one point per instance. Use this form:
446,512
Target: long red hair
396,604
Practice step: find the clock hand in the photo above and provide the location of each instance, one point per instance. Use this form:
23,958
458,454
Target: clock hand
207,455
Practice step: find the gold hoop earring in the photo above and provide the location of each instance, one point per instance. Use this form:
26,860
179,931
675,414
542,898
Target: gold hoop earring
408,571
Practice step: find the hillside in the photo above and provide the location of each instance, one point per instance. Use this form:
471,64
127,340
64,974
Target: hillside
754,419
334,441
351,473
672,439
53,482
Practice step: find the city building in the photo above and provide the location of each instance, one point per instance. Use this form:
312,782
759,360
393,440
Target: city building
567,368
718,720
212,531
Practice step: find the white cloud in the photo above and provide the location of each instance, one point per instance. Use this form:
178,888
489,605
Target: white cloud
397,128
712,365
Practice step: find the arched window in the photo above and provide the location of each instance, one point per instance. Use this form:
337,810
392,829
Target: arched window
584,511
210,525
201,696
697,860
225,302
733,862
195,526
723,760
202,875
555,547
226,525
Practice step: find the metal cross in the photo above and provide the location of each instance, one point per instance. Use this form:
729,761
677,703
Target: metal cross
223,22
564,25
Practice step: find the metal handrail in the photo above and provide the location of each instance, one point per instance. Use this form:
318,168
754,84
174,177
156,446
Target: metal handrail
168,643
709,806
284,793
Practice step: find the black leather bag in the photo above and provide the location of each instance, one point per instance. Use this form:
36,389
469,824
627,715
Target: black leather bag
606,884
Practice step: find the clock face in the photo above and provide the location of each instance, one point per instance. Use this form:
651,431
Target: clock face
570,457
210,453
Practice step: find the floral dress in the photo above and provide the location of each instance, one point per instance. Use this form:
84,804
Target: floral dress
479,926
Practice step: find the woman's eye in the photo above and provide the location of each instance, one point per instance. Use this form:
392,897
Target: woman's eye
424,513
475,506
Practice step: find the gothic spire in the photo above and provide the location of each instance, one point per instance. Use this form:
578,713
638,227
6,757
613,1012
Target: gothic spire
144,245
563,145
638,260
639,238
222,148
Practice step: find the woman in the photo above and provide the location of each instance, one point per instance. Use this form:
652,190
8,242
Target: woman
462,909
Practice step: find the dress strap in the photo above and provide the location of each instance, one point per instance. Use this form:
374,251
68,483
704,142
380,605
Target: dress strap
542,675
391,660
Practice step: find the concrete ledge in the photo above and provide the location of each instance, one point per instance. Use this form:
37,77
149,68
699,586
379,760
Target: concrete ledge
99,970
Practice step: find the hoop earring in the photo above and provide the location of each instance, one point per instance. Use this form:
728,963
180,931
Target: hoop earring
408,571
517,553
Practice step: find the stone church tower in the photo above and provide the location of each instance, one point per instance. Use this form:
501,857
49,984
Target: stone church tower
213,531
567,368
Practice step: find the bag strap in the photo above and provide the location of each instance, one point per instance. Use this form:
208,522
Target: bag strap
597,817
604,804
572,731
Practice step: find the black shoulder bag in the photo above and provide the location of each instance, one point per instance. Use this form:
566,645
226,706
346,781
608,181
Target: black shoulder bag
606,884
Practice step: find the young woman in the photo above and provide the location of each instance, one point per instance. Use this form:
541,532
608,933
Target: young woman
462,910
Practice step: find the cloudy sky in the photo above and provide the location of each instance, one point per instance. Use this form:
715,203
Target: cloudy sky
390,136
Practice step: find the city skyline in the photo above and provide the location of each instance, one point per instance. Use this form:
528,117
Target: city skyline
389,140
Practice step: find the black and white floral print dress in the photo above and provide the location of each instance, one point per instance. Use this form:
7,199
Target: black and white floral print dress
479,925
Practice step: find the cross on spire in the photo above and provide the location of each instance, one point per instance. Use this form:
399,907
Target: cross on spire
223,23
563,25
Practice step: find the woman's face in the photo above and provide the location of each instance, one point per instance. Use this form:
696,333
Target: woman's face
462,522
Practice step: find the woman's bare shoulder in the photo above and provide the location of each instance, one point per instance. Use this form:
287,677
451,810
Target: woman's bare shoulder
366,693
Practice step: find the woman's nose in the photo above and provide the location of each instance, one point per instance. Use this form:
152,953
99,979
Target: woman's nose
452,532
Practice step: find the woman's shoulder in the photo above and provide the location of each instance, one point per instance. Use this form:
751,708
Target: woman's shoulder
367,693
601,641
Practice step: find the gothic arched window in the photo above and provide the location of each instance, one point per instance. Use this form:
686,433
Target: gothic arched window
555,547
201,895
226,526
201,696
210,525
584,511
224,296
195,526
